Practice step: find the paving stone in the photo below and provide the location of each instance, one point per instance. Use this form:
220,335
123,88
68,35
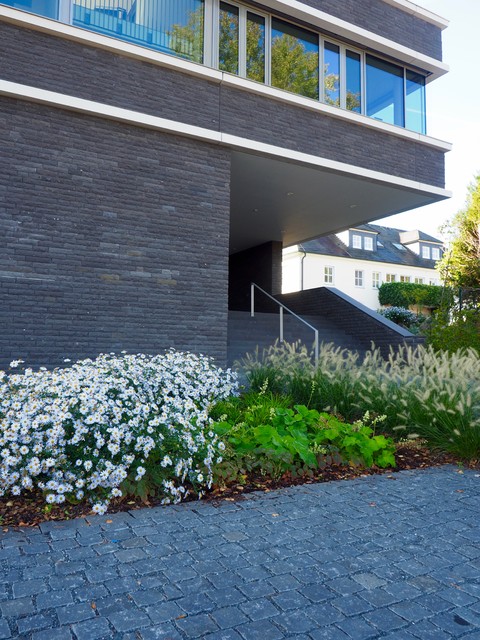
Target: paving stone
229,617
164,612
53,634
410,611
92,629
290,600
28,588
75,613
159,632
16,608
369,580
129,620
53,599
259,609
260,630
197,626
4,629
351,605
385,620
357,628
33,623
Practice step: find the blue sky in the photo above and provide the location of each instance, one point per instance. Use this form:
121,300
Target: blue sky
453,112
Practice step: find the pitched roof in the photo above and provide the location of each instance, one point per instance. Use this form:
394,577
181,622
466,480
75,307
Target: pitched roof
389,247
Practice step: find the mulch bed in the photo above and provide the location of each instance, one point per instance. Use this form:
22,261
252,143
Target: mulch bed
30,509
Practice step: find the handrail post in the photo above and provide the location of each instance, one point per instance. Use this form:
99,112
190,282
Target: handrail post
316,348
281,324
252,300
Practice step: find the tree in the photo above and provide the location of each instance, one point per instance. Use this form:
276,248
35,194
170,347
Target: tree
460,266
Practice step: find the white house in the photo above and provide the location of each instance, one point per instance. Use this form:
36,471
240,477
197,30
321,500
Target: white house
358,260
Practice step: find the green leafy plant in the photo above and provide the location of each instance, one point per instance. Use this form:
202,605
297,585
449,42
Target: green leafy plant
295,441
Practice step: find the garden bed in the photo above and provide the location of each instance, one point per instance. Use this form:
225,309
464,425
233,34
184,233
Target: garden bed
29,509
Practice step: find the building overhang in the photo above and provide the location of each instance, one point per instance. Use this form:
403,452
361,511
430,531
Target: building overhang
273,199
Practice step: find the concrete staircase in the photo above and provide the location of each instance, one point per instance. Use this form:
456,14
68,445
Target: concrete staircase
246,333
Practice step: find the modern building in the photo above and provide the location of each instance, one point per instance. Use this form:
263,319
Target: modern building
358,260
157,156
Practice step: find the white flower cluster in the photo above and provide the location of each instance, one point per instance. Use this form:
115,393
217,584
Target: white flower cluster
107,424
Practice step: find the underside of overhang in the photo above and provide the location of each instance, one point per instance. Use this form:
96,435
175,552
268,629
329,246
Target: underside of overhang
276,200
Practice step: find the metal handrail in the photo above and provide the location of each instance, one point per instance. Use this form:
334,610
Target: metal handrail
254,286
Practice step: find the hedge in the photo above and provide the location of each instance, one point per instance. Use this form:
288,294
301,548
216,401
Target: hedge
408,294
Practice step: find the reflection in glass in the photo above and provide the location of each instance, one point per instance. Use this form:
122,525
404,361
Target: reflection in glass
354,81
415,102
46,8
228,38
294,59
385,99
331,75
170,26
255,47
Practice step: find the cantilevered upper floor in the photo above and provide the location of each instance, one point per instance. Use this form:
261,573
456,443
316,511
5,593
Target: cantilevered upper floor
321,102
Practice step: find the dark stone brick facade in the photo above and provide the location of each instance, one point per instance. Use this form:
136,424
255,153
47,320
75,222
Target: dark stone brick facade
113,237
386,20
262,265
94,74
286,125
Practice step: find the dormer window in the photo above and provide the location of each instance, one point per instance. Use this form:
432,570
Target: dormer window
436,253
426,253
356,241
368,243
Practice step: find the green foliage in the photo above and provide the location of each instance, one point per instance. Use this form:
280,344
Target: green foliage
265,436
455,329
408,294
460,265
408,388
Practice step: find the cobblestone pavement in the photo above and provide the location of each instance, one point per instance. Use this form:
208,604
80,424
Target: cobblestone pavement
379,557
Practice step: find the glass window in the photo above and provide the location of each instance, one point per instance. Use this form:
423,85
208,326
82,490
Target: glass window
328,275
358,278
331,74
385,99
228,39
419,280
356,241
376,280
165,25
415,102
354,81
435,253
46,8
405,278
390,277
368,243
426,253
255,47
294,59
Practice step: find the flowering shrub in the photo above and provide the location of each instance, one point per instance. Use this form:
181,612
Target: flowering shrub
118,424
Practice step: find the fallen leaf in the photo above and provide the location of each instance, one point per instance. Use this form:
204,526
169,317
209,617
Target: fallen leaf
460,491
184,615
372,504
275,515
108,521
93,605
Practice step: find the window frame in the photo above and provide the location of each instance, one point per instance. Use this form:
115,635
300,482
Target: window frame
330,275
359,278
390,277
437,252
425,252
356,238
370,242
376,279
